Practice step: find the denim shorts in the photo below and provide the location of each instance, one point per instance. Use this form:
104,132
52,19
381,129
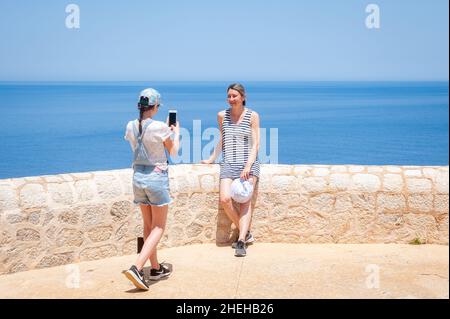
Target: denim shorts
151,186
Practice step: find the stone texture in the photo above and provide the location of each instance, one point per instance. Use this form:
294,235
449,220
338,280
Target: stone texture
100,252
33,196
421,202
393,169
69,237
5,238
93,214
194,229
430,172
129,247
424,227
314,184
126,177
344,204
441,203
374,169
121,210
340,182
84,190
185,184
284,183
339,169
8,198
16,217
209,184
60,193
366,183
442,182
393,183
107,186
321,171
56,260
121,231
356,169
418,185
68,216
101,233
34,217
413,173
28,234
322,203
391,203
365,202
302,170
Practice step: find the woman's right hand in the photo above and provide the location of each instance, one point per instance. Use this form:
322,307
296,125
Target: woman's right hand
175,128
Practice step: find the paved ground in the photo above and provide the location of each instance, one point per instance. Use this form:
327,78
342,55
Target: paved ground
268,271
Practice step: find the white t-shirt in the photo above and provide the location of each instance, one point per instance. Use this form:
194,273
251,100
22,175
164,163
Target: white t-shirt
155,134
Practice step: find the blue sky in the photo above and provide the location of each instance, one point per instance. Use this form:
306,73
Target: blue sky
223,40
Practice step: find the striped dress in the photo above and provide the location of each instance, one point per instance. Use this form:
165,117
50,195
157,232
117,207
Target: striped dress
236,146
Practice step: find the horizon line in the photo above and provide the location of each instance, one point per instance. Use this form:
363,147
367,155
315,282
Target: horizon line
222,80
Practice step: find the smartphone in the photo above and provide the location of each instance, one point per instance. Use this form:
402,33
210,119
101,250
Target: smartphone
172,117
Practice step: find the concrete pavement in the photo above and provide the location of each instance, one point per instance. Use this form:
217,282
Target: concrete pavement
269,271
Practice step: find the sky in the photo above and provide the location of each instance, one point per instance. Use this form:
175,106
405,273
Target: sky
206,40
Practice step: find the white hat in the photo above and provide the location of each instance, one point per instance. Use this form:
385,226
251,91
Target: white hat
241,190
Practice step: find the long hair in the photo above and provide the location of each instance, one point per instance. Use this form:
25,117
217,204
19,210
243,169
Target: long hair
143,106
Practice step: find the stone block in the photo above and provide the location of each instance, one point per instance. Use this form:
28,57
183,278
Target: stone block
393,183
98,252
61,193
69,237
367,183
418,185
100,233
394,203
313,184
340,182
420,202
33,196
27,234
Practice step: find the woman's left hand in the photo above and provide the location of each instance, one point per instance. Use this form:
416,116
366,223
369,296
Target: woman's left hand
245,175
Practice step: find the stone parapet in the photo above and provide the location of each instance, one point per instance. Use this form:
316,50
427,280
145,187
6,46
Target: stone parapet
61,219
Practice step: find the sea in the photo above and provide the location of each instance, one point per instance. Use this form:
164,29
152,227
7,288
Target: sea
51,128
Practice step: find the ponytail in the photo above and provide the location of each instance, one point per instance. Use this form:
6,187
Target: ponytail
141,113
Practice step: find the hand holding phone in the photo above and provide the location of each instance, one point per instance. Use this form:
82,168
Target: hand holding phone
172,117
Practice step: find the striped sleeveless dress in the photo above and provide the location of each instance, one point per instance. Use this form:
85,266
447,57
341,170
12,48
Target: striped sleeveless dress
236,146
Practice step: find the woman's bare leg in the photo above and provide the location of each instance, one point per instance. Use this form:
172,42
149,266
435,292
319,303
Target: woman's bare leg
159,218
245,216
146,211
226,202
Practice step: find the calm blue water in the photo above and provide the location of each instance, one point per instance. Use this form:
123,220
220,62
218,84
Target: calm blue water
51,128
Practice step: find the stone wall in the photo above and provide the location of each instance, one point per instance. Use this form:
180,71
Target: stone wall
54,220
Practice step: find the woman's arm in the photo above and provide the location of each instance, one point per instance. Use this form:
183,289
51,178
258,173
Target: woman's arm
218,148
173,145
254,122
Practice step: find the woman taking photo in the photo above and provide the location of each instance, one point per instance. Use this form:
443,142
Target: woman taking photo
149,139
239,142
